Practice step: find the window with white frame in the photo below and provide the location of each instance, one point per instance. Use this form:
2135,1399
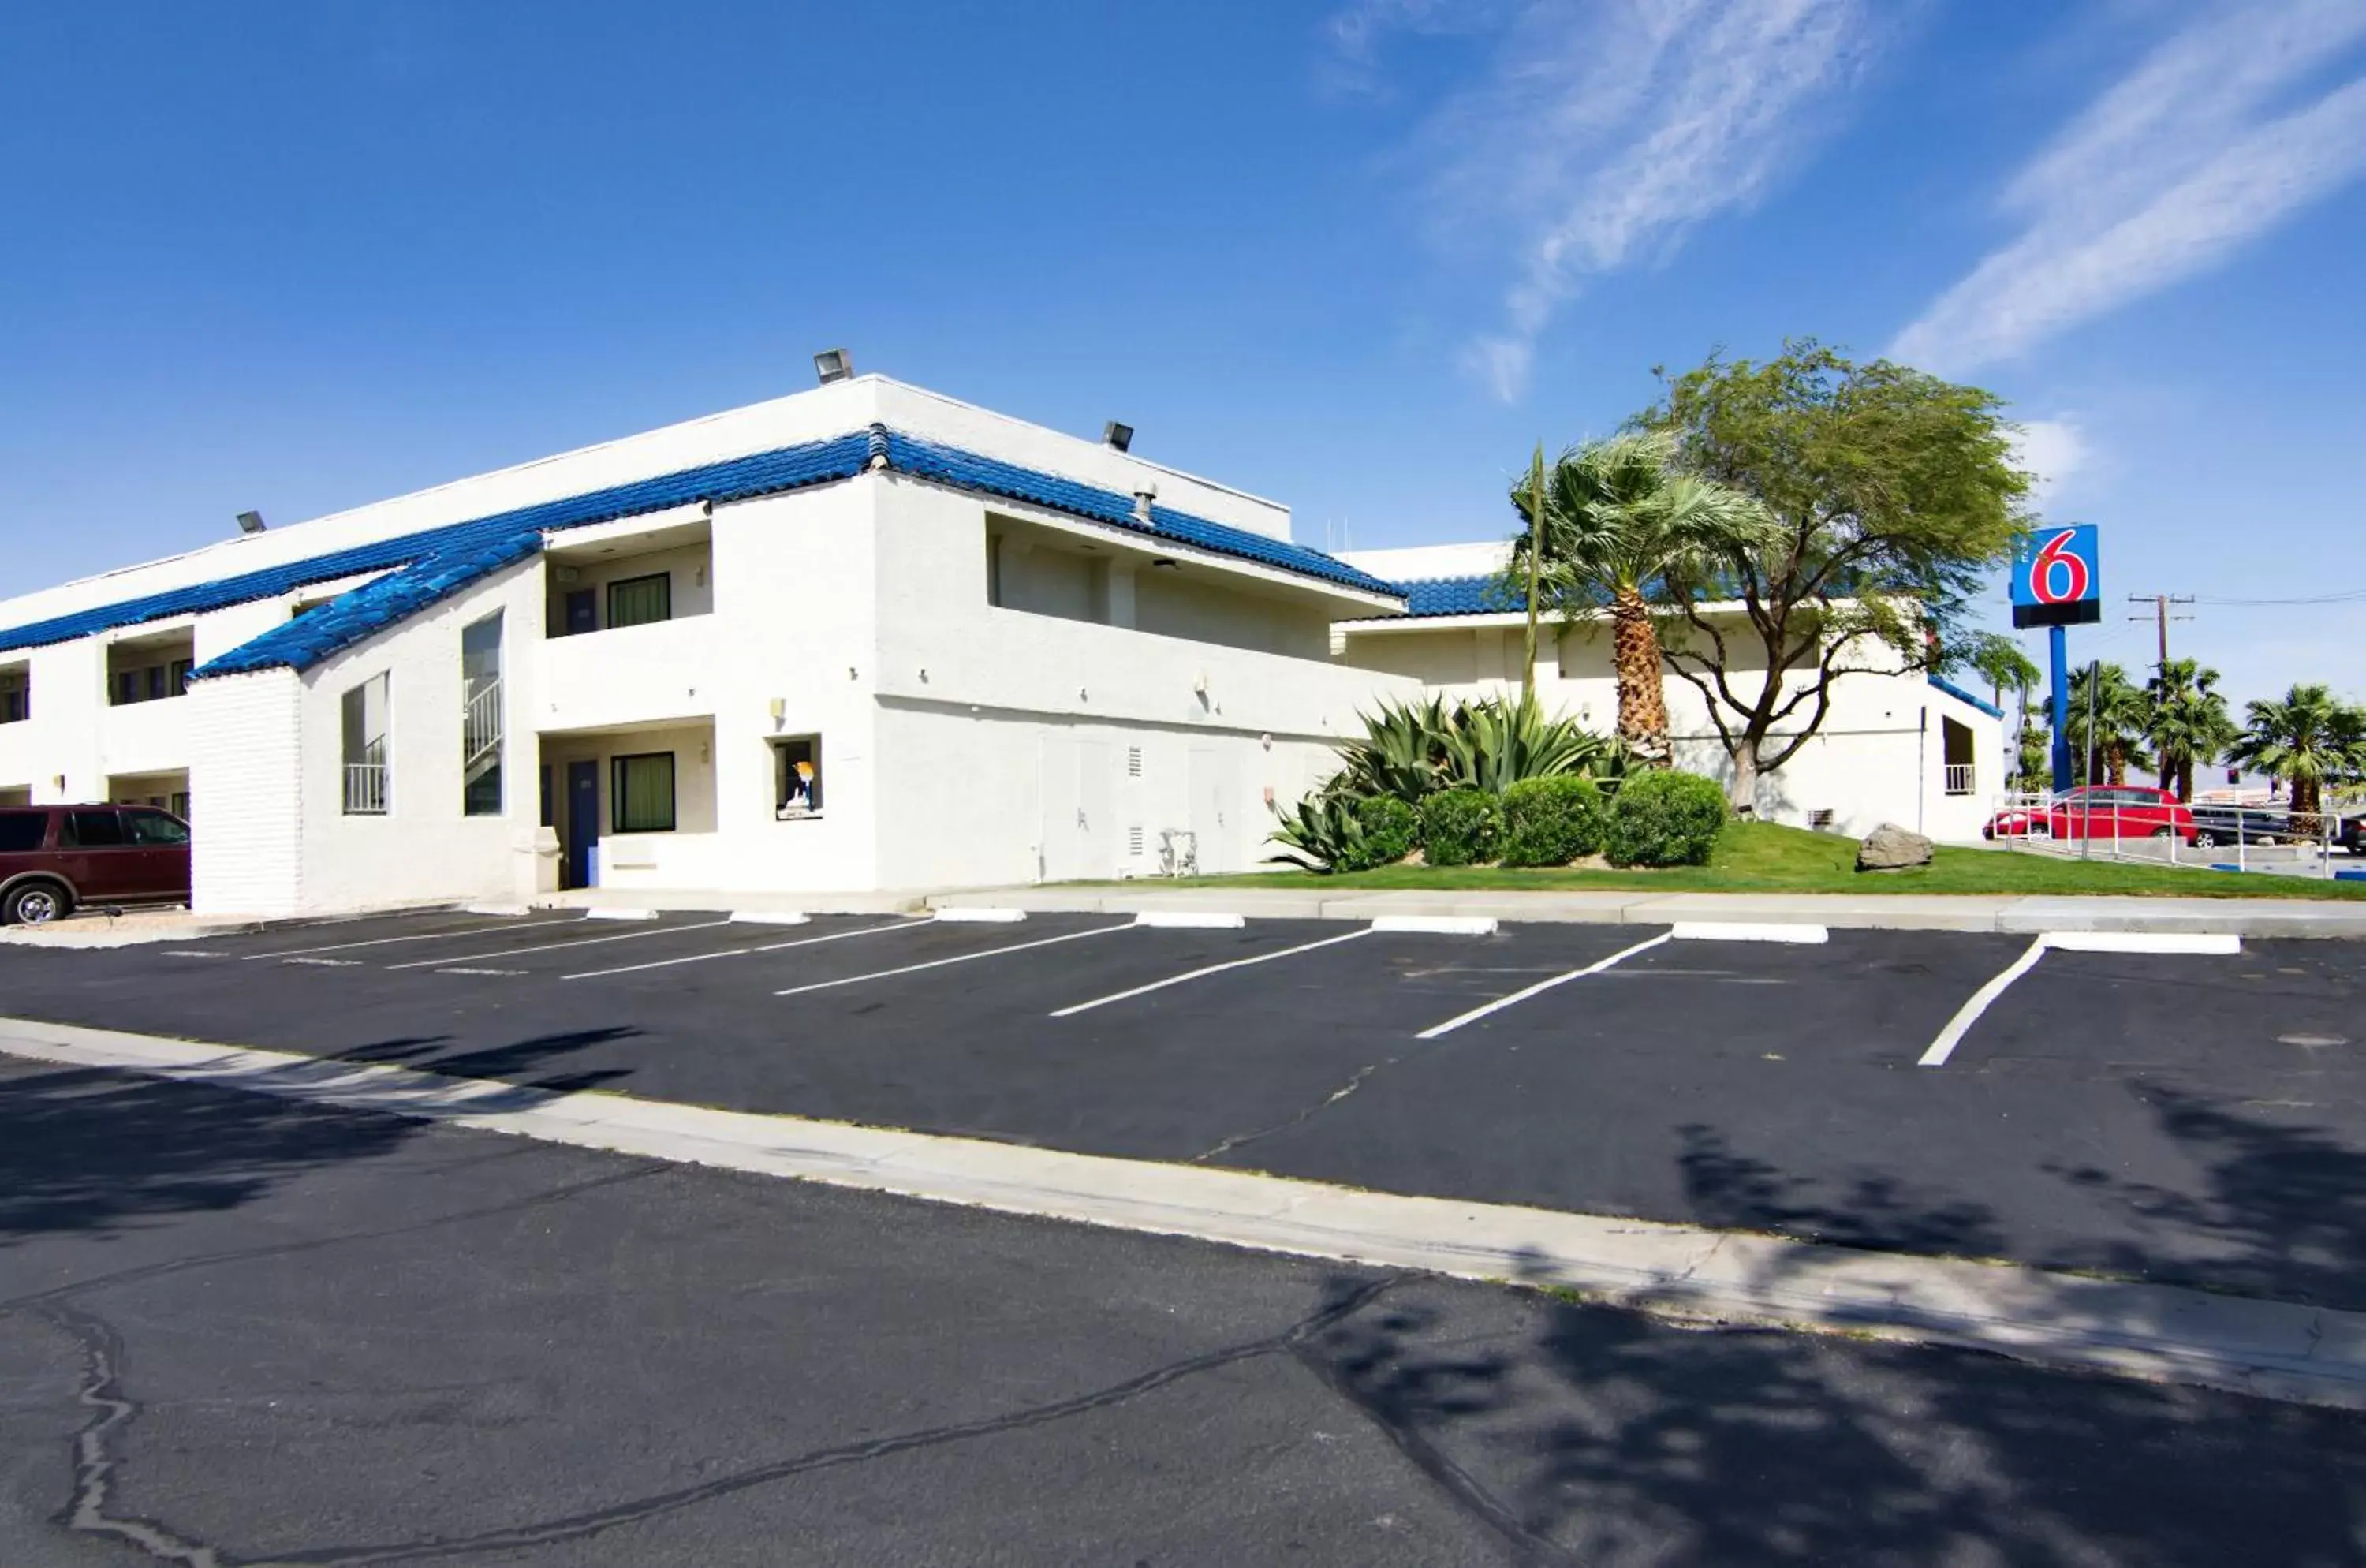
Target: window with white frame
480,718
369,717
796,776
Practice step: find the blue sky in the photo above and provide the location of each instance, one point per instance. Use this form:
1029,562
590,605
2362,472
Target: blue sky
1357,255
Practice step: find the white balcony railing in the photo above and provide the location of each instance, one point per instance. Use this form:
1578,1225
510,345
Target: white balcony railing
365,789
1960,777
481,727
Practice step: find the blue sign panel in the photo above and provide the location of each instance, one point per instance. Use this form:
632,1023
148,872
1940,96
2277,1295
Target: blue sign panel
2057,578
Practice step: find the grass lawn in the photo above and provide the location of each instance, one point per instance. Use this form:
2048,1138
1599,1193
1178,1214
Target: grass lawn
1760,857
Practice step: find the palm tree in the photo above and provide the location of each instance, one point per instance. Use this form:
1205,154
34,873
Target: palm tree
2118,710
1999,660
1619,518
2189,722
2305,738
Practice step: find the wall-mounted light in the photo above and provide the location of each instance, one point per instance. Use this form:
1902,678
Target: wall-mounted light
1165,563
250,523
780,709
833,364
1117,435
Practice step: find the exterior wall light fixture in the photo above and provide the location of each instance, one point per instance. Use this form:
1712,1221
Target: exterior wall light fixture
833,364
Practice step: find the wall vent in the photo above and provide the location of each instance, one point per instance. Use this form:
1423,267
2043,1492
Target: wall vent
1133,763
1821,820
1133,842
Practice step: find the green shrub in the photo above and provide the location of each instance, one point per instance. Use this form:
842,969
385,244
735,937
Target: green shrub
1460,827
1660,817
1391,828
1551,821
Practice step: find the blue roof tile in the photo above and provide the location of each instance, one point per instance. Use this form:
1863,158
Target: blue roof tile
1962,695
421,569
1461,597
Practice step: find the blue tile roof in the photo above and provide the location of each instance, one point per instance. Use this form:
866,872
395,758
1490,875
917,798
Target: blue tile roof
423,568
1962,695
1461,597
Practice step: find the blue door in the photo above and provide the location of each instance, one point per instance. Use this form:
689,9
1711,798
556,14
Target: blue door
583,820
582,612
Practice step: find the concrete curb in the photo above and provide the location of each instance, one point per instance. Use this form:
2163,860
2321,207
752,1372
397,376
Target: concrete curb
2273,1350
1902,911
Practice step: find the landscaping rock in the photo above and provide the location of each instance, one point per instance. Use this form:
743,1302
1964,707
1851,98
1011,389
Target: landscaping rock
1892,847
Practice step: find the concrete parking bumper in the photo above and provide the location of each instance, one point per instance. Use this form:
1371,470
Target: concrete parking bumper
2275,1350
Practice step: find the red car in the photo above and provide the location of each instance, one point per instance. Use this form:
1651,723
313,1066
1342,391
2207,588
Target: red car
2100,811
54,858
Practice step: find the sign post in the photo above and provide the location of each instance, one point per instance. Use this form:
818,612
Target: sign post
2058,581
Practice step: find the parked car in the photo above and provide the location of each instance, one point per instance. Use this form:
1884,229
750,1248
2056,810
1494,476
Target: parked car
2098,811
2349,832
56,858
2241,825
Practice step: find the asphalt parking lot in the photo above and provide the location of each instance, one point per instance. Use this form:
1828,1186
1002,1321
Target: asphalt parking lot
235,1330
2184,1117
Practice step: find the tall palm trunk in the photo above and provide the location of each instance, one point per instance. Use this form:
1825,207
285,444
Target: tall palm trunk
1635,657
2116,760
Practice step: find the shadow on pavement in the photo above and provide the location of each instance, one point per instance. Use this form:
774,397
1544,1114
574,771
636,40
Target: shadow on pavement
1603,1437
89,1151
505,1063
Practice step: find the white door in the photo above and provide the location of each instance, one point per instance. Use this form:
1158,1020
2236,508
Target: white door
1080,832
1215,809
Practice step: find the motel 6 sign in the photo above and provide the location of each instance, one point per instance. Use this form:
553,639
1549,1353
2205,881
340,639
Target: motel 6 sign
2056,579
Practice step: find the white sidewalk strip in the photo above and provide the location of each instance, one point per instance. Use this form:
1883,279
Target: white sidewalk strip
1969,1013
2207,943
2285,1350
960,916
1748,930
770,918
1500,1003
554,946
1210,969
1187,920
1434,925
414,936
959,958
601,913
744,952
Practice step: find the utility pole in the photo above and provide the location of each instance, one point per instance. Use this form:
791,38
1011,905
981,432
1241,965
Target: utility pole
1535,561
2161,603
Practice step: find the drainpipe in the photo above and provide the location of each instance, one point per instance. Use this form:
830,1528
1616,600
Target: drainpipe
1922,765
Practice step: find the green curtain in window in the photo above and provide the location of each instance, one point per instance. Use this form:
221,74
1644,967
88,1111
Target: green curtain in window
636,600
643,794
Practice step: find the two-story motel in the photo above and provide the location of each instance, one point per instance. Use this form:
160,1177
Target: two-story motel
863,638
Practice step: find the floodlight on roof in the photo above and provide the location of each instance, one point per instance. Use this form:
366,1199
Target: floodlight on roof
833,364
250,522
1117,435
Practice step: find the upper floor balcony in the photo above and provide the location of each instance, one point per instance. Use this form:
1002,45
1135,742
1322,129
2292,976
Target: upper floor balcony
637,572
638,674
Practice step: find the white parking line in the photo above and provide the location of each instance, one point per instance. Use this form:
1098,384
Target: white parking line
1210,969
961,958
743,952
554,946
2219,944
1969,1013
1500,1003
414,936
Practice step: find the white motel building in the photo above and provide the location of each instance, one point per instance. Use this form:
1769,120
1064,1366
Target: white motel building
862,638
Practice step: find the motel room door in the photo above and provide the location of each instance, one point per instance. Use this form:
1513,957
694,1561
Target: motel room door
1215,808
583,820
1079,835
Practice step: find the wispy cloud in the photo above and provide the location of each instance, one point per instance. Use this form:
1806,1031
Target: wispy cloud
2223,131
1602,130
2052,450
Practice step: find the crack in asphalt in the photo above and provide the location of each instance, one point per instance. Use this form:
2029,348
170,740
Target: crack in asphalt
1334,1098
95,1464
315,1244
161,1544
1460,1486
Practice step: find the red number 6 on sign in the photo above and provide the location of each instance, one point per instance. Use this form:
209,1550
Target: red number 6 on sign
2057,575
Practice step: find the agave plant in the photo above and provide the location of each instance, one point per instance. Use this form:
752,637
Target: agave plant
1321,833
1402,748
1496,742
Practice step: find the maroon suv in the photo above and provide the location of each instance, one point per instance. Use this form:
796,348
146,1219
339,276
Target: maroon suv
55,857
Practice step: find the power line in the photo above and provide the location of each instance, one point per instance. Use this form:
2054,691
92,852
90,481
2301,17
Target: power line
2349,596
